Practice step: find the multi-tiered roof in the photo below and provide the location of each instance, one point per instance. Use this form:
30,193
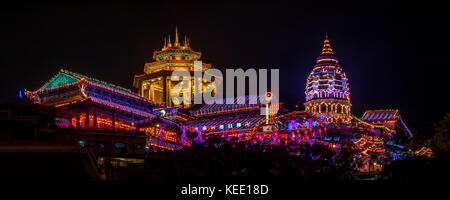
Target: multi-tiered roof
327,79
67,88
174,55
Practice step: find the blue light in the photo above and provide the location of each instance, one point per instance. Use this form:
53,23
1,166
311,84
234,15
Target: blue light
119,145
20,95
81,142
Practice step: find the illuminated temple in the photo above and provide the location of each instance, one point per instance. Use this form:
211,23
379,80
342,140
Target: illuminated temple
88,106
156,83
327,92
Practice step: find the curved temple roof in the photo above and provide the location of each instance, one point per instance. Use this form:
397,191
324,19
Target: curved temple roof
65,77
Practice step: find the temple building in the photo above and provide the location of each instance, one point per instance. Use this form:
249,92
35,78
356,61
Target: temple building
388,118
227,119
88,103
156,84
93,107
327,90
98,115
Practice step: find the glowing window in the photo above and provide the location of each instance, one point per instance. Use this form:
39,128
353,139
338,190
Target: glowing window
119,145
81,142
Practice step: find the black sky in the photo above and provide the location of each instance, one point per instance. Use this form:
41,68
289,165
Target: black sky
395,56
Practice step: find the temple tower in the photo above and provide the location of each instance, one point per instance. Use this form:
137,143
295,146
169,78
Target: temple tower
155,84
327,91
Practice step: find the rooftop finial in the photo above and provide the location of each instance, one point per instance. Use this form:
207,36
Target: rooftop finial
169,44
177,43
327,50
186,44
165,43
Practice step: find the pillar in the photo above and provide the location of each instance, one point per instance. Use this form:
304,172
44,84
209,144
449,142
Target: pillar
114,121
86,122
165,95
95,119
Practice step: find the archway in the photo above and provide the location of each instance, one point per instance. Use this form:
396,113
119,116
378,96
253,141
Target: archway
323,108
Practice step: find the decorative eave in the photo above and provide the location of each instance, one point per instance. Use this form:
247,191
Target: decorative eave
151,67
380,115
177,51
110,105
84,81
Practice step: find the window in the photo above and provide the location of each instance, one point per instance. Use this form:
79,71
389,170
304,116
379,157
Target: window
81,142
103,145
119,145
137,146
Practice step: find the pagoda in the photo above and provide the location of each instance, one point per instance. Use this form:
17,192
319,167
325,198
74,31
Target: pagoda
327,91
156,84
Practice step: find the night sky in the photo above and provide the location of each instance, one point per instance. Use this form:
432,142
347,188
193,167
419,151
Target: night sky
395,56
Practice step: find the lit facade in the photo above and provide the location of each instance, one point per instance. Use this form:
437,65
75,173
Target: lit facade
87,104
90,106
156,84
327,89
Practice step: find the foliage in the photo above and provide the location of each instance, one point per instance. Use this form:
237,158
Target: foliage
441,139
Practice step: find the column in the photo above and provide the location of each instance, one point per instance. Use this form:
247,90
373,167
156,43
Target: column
86,122
95,119
165,95
114,121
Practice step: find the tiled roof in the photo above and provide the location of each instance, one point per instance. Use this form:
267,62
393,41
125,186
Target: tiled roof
66,77
228,123
214,109
380,115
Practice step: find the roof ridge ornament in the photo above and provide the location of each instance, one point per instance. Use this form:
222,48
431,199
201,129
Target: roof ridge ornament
165,43
177,43
168,42
327,50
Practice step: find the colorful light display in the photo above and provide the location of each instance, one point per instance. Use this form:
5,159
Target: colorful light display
87,103
327,92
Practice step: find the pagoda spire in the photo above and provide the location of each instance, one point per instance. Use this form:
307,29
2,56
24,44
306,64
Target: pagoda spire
168,42
186,44
165,43
327,50
177,43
